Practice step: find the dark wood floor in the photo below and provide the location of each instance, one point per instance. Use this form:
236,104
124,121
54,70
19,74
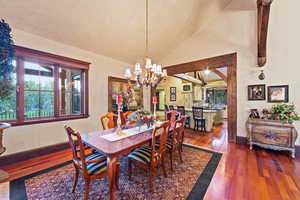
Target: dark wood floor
242,174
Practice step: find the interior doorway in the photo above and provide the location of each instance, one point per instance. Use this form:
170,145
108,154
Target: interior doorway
230,61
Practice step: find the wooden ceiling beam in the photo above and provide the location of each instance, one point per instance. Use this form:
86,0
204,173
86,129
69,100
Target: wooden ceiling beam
200,65
263,13
220,74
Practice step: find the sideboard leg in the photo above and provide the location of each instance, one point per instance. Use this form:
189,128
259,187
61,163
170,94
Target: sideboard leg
293,154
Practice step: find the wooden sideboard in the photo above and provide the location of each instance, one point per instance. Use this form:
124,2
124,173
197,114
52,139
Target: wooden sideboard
272,134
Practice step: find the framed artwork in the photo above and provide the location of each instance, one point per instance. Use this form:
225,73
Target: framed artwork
278,94
132,95
257,92
172,93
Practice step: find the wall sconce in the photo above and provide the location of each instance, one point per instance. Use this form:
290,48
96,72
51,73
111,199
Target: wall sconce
261,76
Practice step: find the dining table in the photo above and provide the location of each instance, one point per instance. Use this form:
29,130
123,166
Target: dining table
114,146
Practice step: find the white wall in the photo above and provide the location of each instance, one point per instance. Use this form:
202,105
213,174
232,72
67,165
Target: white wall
235,31
28,137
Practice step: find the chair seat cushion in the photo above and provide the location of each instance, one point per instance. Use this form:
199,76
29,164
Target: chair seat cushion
142,154
97,167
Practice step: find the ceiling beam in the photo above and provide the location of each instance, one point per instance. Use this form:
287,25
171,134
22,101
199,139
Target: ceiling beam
199,65
220,74
263,13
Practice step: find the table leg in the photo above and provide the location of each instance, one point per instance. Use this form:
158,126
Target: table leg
112,169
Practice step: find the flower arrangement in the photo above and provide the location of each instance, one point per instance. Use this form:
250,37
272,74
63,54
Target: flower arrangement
285,112
140,117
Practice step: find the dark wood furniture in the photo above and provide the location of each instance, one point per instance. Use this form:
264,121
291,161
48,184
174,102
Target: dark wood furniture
272,134
181,110
115,149
150,157
171,107
93,166
175,140
199,121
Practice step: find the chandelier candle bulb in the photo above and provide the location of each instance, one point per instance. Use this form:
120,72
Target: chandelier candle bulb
128,74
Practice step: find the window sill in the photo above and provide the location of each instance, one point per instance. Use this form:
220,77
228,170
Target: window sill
47,120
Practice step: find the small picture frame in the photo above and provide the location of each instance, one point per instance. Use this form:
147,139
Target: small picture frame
278,94
257,92
172,93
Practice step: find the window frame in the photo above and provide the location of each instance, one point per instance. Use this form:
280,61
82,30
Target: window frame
25,54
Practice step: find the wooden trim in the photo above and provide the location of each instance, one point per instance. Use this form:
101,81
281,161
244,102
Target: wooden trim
229,60
47,120
241,140
20,90
49,57
263,13
26,155
199,65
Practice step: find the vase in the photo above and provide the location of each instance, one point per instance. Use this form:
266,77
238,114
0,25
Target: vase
3,175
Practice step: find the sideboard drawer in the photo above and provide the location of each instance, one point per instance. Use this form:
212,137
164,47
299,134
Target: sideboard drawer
280,131
271,138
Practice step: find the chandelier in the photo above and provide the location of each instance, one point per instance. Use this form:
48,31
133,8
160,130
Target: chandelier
152,73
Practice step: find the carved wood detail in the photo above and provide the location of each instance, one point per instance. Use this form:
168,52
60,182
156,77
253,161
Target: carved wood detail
263,12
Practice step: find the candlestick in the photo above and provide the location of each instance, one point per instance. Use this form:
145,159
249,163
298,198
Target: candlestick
154,99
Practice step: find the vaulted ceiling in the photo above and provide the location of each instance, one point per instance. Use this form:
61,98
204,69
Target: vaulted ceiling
114,28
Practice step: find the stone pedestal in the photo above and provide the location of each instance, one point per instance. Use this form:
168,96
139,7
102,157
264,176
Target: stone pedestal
3,175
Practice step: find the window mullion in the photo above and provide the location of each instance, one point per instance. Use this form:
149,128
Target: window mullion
20,89
56,91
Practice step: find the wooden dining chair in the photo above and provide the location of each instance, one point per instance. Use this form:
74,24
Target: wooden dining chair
109,120
92,166
199,120
181,110
150,157
175,141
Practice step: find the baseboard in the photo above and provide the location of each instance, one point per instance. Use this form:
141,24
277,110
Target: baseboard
26,155
244,141
241,140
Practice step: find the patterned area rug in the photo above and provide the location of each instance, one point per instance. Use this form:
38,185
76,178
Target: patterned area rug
189,180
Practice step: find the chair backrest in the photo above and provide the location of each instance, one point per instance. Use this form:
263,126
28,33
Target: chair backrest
197,112
181,110
162,131
172,115
166,108
171,107
108,121
77,147
178,132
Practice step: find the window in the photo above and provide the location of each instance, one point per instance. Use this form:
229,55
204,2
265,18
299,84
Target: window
47,88
216,96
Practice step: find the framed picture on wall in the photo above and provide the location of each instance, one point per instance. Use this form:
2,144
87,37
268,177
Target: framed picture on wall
257,92
278,94
172,93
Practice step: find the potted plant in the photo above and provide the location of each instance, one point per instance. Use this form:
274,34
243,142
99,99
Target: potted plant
7,54
285,112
